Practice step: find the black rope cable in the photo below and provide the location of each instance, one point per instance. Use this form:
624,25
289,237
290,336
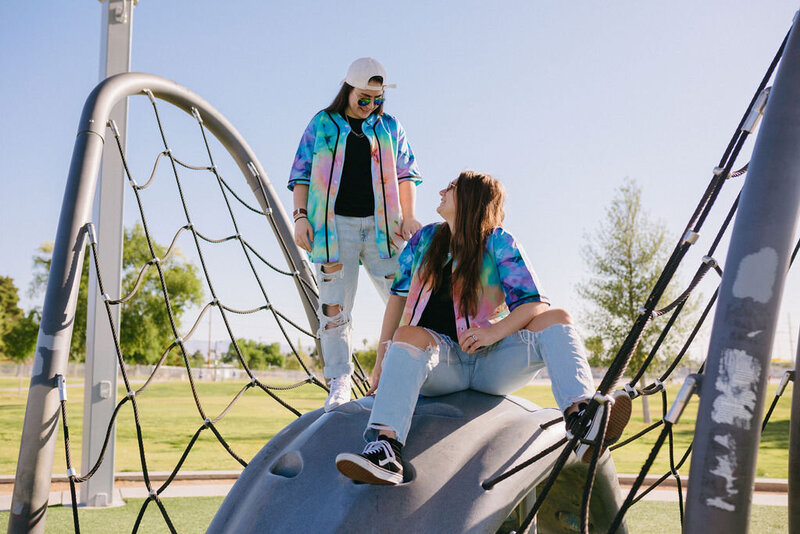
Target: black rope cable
590,475
121,362
62,386
620,362
489,484
244,248
789,377
179,342
696,222
240,199
152,174
207,276
639,479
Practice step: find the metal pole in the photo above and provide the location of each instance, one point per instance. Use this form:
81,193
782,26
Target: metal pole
794,449
39,433
40,430
100,380
733,391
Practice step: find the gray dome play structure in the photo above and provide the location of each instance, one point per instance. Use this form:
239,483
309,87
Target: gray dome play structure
457,442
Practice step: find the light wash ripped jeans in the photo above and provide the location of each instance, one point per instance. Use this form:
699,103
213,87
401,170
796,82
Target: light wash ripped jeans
499,369
357,245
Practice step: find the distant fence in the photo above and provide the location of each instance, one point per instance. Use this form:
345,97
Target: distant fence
169,373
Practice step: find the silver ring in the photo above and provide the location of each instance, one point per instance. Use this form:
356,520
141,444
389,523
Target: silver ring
474,337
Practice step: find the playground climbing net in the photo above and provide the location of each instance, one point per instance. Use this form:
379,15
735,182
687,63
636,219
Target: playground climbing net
722,173
649,315
252,255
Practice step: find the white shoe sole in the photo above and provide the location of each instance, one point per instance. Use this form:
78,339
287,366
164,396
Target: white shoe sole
358,468
618,419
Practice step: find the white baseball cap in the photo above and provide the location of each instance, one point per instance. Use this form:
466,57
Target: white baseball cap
361,70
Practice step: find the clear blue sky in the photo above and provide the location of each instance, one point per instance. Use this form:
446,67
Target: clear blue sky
561,101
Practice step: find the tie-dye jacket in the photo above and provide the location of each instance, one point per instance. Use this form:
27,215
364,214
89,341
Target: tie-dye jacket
319,162
507,280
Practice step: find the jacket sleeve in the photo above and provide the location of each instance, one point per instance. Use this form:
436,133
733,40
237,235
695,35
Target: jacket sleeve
407,168
405,268
301,168
517,278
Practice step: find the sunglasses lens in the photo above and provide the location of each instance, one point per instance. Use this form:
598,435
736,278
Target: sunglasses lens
363,102
380,100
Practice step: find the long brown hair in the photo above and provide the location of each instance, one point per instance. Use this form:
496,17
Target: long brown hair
479,210
340,101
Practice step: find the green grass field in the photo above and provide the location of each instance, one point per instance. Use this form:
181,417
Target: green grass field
169,419
194,515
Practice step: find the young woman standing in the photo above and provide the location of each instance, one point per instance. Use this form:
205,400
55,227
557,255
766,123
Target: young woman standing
353,182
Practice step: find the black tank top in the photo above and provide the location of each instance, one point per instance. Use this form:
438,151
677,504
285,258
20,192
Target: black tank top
439,314
355,197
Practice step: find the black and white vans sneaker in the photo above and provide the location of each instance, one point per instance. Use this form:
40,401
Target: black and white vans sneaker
618,417
380,463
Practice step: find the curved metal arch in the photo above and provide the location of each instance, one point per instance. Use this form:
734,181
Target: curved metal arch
39,434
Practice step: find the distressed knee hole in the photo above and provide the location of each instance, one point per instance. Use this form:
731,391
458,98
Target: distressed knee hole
331,310
333,319
417,353
389,276
332,271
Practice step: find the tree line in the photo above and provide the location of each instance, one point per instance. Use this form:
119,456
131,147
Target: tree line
624,257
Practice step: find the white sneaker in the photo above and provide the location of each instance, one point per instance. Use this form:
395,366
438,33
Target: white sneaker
340,392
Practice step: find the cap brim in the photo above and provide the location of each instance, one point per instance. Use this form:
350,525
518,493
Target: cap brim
372,87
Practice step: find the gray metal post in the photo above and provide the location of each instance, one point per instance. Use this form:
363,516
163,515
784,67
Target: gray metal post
794,449
733,390
100,380
39,433
40,430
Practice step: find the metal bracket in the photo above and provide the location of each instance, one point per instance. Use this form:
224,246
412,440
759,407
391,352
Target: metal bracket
631,391
62,388
113,125
119,11
690,237
252,167
756,111
787,376
682,399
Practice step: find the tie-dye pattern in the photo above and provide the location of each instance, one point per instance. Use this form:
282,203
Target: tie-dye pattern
319,162
507,280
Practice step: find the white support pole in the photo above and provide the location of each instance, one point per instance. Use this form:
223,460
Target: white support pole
100,381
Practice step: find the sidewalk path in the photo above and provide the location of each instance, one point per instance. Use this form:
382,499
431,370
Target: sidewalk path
768,491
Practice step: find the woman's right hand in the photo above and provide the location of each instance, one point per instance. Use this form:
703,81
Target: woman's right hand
303,233
374,379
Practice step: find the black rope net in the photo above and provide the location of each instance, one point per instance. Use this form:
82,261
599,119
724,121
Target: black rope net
649,314
648,317
254,258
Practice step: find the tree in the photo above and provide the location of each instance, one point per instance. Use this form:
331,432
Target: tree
256,355
625,255
20,339
10,312
145,327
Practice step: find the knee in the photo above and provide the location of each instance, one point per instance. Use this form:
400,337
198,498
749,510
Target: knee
560,316
413,335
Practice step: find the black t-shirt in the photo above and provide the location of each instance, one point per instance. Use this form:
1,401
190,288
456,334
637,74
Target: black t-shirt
439,314
355,197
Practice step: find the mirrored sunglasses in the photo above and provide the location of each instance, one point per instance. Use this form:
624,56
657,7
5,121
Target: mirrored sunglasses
365,101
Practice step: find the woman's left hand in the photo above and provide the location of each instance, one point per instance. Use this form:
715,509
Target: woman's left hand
475,338
409,227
